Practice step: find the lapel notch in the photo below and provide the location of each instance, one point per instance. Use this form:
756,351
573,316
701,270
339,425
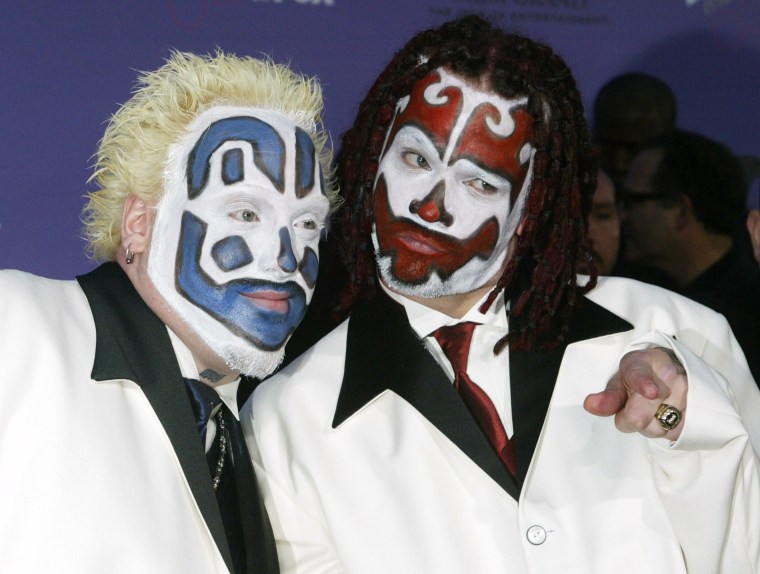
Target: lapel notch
133,344
384,353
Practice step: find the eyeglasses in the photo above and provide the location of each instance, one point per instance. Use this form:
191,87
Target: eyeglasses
628,197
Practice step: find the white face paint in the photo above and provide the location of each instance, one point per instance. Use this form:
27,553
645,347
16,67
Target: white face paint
451,187
235,242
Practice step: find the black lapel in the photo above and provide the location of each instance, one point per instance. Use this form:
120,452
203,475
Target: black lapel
383,352
132,343
533,375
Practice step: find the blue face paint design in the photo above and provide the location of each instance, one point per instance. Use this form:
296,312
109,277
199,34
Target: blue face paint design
252,130
286,258
227,303
232,166
309,267
231,253
304,164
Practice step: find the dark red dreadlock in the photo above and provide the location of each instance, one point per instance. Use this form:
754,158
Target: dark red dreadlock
540,278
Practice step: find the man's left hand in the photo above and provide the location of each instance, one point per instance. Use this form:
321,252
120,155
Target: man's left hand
645,380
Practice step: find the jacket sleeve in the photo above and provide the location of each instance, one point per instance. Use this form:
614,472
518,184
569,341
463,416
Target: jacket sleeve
709,480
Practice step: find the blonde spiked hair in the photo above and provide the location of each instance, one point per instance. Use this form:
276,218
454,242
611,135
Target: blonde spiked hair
134,148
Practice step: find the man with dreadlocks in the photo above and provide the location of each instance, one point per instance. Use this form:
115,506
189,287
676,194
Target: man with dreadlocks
468,177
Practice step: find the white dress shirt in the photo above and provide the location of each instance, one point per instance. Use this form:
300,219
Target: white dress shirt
488,370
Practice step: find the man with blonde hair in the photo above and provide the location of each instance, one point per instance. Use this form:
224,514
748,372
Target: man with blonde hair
212,194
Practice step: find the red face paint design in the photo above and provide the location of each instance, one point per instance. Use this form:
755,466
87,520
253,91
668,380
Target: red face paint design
455,163
485,148
435,120
416,252
434,108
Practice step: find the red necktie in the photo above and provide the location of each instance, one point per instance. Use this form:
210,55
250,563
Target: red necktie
455,342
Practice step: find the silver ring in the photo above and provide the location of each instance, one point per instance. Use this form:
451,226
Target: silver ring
668,416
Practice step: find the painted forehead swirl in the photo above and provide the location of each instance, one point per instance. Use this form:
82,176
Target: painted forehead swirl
268,155
465,123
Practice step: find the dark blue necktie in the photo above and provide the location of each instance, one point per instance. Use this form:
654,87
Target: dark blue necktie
204,401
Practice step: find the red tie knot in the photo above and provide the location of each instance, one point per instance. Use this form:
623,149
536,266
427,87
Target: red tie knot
455,343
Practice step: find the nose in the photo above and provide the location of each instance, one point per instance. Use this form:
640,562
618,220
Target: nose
431,208
286,258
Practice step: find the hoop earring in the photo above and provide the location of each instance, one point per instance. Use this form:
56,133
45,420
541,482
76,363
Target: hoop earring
129,257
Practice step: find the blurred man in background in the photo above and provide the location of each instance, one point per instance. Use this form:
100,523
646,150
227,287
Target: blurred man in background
682,209
630,111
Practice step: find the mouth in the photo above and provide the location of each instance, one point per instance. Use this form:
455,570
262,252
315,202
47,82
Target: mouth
419,243
270,300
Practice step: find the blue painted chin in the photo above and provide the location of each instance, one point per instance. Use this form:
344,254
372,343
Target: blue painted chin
229,303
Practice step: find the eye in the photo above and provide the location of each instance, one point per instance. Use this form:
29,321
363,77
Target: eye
482,186
603,213
414,159
246,215
309,224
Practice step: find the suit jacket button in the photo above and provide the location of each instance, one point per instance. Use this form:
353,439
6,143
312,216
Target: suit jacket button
536,535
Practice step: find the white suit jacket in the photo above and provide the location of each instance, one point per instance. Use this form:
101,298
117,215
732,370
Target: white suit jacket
101,466
369,462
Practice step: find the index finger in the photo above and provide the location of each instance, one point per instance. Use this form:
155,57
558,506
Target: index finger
609,401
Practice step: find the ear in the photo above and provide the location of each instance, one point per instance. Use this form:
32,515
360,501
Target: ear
753,226
136,223
685,212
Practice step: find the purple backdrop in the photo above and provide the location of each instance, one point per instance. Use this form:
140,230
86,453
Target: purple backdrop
67,65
